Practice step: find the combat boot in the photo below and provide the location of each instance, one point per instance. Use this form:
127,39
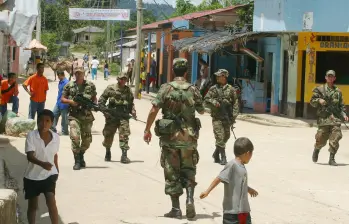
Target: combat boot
82,160
124,158
107,155
316,155
190,210
332,162
77,164
223,156
176,210
215,156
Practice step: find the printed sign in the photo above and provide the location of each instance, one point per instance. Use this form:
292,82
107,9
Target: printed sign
99,14
308,21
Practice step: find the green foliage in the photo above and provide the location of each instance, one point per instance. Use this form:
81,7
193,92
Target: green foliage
245,20
184,7
49,40
99,42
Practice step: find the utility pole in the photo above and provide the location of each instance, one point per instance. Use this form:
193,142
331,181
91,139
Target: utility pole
108,36
139,42
38,23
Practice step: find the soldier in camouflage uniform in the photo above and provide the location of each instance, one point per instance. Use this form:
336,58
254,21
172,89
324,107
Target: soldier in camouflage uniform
120,99
178,131
80,119
223,102
328,100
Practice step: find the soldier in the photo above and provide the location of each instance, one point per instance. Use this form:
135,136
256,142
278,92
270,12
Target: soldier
120,99
223,102
80,118
178,131
328,100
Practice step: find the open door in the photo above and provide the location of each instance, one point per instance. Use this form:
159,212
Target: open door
283,109
300,106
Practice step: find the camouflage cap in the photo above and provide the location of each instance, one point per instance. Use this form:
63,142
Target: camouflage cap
78,69
180,63
122,75
221,72
330,72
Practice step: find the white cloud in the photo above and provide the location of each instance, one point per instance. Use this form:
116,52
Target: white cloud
172,2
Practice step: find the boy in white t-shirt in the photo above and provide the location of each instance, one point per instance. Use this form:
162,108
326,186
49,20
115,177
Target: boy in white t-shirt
41,147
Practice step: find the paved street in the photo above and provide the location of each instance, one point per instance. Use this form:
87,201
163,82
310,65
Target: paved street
291,188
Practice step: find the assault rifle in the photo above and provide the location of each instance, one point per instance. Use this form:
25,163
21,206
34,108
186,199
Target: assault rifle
330,108
226,112
121,112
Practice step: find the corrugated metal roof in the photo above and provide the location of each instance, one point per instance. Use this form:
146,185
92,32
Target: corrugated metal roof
90,29
189,16
214,41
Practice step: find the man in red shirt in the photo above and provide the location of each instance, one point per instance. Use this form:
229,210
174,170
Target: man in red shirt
38,88
9,94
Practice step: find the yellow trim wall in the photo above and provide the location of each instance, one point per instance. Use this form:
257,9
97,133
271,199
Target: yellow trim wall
307,41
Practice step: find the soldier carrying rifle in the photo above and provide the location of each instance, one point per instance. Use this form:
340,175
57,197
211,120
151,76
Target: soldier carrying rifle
331,113
80,118
120,99
223,102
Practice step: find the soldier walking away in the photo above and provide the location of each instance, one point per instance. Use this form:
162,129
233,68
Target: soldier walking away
224,105
178,131
80,118
328,100
120,99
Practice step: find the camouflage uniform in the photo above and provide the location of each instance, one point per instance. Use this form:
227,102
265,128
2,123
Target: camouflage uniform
179,155
222,118
120,99
80,120
329,123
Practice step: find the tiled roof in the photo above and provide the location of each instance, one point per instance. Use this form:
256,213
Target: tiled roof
189,16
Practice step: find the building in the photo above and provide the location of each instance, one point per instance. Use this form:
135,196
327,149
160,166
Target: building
191,25
313,44
87,34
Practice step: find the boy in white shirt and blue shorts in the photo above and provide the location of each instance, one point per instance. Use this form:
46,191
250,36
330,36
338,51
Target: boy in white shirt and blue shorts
41,147
236,208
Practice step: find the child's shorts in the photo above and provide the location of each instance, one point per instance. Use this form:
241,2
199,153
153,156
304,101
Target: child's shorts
33,188
234,219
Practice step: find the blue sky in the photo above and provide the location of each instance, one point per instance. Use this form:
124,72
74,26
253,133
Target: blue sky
172,2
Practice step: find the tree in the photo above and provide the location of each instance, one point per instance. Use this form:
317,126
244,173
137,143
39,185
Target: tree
245,20
184,7
50,41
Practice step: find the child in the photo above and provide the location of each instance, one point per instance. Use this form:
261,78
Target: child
236,209
41,147
143,78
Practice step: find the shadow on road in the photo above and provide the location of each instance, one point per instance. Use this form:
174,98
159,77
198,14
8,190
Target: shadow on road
132,161
17,163
206,216
339,164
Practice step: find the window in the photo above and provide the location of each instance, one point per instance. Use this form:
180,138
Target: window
87,37
14,53
335,60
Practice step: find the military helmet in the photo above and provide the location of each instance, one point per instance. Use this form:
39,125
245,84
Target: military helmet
179,63
221,72
122,75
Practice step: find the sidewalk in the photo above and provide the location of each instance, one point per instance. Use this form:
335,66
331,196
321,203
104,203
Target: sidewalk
264,119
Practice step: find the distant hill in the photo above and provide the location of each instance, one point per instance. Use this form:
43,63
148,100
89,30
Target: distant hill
159,10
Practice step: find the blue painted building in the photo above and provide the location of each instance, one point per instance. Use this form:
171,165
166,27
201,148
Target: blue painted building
289,15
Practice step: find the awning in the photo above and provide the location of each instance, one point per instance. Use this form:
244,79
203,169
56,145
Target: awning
252,54
214,41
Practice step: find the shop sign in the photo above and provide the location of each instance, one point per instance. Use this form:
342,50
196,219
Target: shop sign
332,44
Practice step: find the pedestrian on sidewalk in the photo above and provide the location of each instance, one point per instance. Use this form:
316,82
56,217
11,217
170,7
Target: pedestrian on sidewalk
106,70
224,106
94,67
120,98
331,111
80,118
61,109
41,147
178,100
236,208
9,94
38,89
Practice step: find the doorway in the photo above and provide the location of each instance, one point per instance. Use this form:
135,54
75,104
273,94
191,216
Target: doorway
268,76
283,109
300,106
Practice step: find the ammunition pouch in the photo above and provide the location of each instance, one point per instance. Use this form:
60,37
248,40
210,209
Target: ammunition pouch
165,127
